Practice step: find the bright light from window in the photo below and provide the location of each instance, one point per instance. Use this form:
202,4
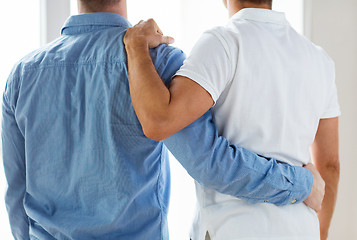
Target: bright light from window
20,25
294,10
74,7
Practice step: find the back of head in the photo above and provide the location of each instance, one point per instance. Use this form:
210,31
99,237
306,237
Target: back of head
98,5
257,2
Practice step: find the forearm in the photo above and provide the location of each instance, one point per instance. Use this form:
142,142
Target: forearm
331,177
325,155
228,169
149,94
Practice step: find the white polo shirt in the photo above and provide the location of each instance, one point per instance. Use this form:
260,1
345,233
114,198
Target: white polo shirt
271,87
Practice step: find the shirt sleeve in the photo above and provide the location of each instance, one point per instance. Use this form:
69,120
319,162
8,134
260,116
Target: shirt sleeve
13,152
229,169
235,171
332,106
209,64
167,61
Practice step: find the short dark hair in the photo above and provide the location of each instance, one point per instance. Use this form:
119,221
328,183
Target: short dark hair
259,1
95,4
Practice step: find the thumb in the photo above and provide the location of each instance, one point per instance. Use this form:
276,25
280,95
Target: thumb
159,39
167,40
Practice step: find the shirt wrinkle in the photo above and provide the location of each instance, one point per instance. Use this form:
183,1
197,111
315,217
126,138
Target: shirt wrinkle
85,148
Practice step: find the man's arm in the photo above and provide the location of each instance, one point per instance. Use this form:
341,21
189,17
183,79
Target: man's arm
13,147
325,155
206,156
161,111
235,171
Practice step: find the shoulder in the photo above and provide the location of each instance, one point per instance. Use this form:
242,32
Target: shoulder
31,62
228,36
328,61
13,84
167,60
317,51
165,54
324,61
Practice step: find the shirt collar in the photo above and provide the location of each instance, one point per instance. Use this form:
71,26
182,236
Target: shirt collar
261,15
99,19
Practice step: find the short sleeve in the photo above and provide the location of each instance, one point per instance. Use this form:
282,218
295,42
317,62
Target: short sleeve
332,108
209,64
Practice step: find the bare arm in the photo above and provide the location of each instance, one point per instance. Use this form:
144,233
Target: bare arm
162,112
325,154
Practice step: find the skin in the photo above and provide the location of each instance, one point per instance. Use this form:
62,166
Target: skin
325,155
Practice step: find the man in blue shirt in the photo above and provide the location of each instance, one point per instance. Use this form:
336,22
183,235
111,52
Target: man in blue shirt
77,163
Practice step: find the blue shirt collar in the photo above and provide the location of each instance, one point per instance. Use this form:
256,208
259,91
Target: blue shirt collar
75,24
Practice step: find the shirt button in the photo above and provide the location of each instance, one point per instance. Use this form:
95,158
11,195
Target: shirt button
293,201
266,201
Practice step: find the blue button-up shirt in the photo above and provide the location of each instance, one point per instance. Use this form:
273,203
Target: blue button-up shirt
77,163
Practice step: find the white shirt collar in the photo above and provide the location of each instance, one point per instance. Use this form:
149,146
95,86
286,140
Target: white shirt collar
261,15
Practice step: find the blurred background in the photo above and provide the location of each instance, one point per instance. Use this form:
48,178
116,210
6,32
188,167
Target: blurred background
28,24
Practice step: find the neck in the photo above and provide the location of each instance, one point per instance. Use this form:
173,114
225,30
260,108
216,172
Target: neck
235,6
119,8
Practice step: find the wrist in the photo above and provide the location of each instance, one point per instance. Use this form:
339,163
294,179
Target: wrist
303,183
136,49
323,235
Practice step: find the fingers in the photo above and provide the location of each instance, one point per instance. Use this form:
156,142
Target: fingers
157,28
317,194
167,40
146,33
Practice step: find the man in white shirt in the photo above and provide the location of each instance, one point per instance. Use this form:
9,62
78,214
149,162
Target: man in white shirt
237,69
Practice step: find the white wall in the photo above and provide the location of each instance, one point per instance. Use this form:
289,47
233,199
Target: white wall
333,25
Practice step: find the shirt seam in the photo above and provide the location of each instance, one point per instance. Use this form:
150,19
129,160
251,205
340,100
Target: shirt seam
64,64
157,191
331,113
9,83
105,27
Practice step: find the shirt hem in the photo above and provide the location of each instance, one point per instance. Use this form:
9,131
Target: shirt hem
331,114
198,79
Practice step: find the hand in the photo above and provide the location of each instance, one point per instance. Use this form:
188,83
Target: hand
317,194
146,34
